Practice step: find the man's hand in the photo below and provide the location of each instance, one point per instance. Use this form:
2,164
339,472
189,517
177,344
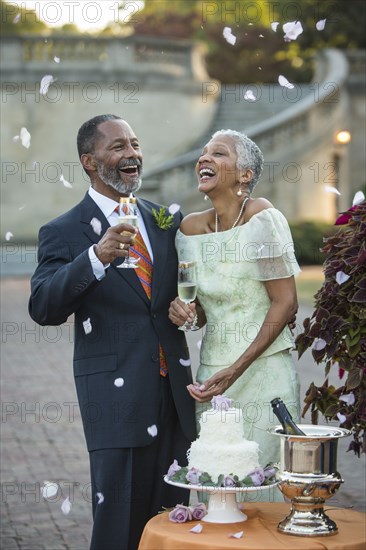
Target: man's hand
113,244
179,312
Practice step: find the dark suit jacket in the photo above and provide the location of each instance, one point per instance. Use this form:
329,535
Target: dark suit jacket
126,327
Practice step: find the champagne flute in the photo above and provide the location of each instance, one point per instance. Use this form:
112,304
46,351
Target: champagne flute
187,288
128,207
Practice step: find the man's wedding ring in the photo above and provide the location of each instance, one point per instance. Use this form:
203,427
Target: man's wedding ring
122,246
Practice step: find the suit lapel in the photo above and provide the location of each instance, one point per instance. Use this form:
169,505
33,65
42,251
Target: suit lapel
159,243
90,210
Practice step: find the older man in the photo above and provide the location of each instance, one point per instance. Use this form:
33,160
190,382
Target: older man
136,411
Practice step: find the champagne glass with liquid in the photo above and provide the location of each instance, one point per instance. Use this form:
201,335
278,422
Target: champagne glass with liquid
128,208
187,288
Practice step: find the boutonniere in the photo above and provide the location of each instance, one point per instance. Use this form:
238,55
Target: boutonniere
162,219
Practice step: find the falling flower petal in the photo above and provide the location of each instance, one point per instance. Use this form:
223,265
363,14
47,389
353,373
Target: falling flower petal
261,36
185,362
66,506
119,382
16,139
358,198
284,82
249,96
173,208
56,59
348,398
341,277
292,30
8,235
25,137
65,182
45,84
229,37
331,189
274,25
320,24
100,497
21,207
152,430
341,417
49,489
199,344
196,529
96,225
319,344
87,326
17,18
238,535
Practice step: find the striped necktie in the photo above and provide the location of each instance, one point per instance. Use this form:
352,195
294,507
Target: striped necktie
144,271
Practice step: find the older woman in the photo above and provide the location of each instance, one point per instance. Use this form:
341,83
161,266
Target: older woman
246,290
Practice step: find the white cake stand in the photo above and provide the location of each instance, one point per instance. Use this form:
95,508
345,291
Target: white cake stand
222,505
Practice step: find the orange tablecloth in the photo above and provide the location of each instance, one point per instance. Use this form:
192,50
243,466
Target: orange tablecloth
260,532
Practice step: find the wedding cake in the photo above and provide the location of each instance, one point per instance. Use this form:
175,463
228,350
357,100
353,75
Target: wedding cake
221,447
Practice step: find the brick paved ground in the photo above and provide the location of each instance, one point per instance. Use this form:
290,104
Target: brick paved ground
42,435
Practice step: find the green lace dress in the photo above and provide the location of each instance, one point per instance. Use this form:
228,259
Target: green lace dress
231,268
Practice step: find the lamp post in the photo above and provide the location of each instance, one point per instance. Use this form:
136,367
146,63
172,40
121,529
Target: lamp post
342,138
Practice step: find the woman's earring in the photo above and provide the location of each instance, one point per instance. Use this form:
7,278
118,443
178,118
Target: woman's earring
239,193
205,198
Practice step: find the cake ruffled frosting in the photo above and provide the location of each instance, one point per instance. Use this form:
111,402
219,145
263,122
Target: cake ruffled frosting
221,448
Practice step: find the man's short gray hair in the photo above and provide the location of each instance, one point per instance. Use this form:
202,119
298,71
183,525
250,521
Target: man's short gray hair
248,153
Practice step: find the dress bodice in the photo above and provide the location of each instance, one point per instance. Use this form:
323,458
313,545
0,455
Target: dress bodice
231,269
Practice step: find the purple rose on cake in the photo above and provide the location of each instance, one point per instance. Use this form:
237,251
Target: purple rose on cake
229,481
193,476
173,468
257,476
220,402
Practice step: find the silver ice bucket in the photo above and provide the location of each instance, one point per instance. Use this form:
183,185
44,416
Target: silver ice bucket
308,476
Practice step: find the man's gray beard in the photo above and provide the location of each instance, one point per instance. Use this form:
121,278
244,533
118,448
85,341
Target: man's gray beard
112,177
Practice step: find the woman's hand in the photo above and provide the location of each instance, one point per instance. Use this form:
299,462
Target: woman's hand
216,385
179,312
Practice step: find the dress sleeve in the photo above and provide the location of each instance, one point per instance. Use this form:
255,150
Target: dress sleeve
271,252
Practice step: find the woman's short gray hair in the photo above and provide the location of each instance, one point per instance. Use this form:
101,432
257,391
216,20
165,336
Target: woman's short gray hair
248,153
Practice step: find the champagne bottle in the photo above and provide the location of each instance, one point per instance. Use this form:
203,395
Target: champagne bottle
283,415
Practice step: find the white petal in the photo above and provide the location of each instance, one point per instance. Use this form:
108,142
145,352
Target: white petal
96,225
229,37
199,344
8,235
49,489
292,30
358,198
185,362
100,498
45,84
196,529
17,18
282,80
173,208
16,139
331,189
56,59
237,535
320,25
66,506
65,182
25,137
152,430
341,417
319,344
249,96
21,207
274,25
348,398
341,277
87,326
119,382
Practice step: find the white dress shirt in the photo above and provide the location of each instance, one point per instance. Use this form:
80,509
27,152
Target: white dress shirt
107,206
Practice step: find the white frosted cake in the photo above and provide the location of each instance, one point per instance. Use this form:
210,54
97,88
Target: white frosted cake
221,447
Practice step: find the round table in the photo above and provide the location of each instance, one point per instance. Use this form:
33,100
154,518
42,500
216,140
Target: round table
260,531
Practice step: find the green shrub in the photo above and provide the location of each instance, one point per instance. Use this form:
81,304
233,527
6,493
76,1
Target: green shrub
309,239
